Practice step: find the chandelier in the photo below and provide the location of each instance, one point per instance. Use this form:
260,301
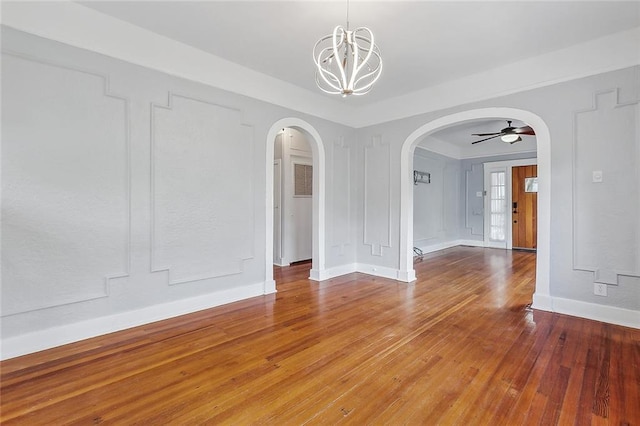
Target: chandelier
347,62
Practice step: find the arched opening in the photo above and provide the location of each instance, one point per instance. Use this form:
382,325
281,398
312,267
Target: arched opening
541,298
318,198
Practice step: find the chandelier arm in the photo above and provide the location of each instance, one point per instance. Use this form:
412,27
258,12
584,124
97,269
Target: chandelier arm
372,46
334,92
326,72
323,74
377,71
330,79
336,52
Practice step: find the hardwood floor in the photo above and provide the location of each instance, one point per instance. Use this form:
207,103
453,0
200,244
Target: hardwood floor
458,347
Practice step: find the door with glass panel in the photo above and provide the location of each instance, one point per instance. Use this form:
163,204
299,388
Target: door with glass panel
496,217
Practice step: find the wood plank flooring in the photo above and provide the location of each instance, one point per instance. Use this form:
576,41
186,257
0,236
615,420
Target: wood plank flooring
458,347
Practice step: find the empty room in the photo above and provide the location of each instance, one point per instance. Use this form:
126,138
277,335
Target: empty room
320,212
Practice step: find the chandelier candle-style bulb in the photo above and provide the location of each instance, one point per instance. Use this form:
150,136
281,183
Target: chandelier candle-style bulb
348,62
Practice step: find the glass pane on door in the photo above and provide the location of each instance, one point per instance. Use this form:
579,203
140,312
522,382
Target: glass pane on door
498,207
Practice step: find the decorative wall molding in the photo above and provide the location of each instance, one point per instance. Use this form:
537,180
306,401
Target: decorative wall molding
434,222
341,194
446,175
106,278
605,274
234,264
380,197
467,197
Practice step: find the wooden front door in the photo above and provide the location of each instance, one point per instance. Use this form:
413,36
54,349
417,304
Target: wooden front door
524,190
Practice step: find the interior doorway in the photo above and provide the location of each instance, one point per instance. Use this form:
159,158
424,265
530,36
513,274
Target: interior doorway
406,272
317,198
292,198
510,219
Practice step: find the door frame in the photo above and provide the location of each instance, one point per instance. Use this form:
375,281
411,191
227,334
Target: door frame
319,201
508,166
277,218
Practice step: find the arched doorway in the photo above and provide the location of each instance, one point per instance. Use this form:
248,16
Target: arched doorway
541,298
318,198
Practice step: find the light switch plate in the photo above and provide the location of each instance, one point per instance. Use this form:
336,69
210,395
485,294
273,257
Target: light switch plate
479,194
597,176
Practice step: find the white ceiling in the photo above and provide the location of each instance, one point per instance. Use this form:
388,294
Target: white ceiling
423,43
456,141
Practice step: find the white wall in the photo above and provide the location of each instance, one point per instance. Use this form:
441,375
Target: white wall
118,161
436,206
131,196
580,116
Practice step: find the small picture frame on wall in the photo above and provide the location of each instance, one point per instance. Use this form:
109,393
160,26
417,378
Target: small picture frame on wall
531,184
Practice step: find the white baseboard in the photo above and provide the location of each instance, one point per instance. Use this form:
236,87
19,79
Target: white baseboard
375,270
378,271
448,244
542,302
594,311
61,335
407,276
270,287
336,271
472,243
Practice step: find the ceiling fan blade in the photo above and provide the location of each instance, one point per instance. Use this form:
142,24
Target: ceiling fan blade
486,139
486,134
524,130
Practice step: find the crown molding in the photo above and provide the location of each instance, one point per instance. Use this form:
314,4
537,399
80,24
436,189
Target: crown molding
82,27
610,53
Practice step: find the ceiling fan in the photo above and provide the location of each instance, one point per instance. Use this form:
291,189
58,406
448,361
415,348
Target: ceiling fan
509,134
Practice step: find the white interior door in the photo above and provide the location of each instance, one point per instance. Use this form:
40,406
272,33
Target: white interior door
301,215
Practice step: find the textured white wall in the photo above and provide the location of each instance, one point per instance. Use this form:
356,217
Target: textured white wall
130,196
202,203
62,240
605,214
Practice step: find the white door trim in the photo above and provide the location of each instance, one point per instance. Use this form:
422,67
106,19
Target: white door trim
319,202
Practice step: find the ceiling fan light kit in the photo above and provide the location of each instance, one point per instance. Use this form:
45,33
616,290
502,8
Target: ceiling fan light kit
347,62
510,138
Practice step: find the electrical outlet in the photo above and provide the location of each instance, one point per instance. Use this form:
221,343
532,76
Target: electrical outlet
599,289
